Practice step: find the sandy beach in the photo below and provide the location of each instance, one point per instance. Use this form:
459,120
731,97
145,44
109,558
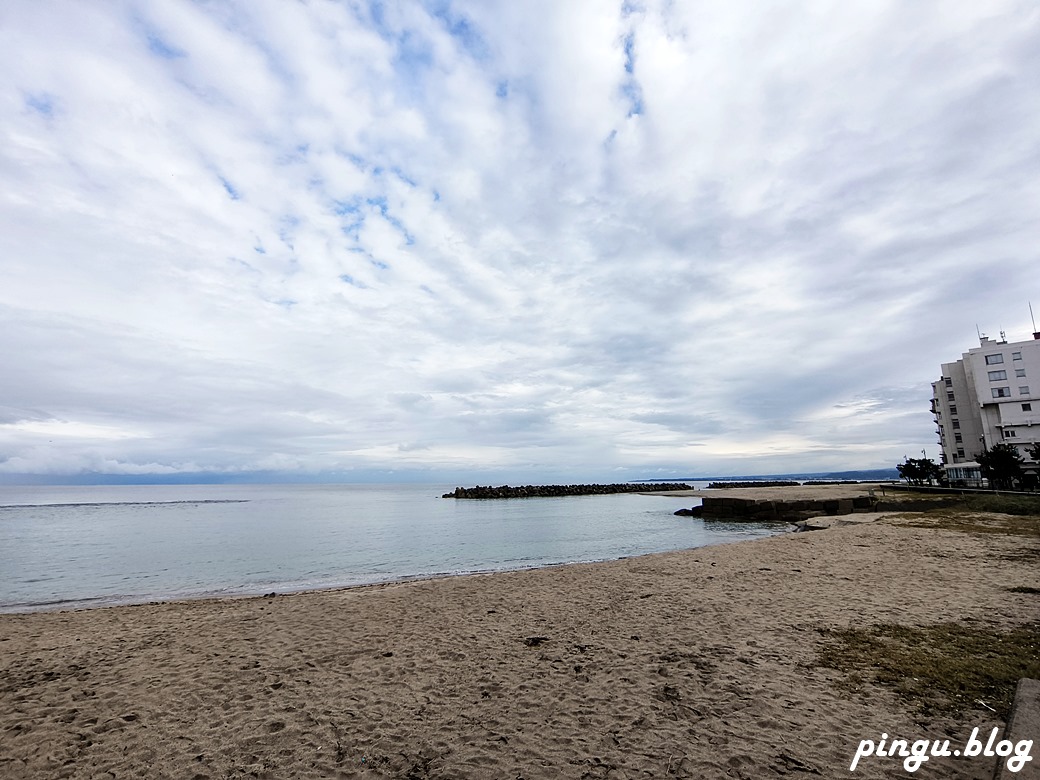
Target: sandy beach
700,663
794,492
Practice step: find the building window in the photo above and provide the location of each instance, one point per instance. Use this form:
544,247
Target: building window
953,410
996,376
956,424
1023,389
1010,435
1001,392
949,396
948,381
1020,372
958,438
993,360
1016,355
960,452
1027,407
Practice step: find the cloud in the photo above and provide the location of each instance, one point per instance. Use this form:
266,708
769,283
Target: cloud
468,237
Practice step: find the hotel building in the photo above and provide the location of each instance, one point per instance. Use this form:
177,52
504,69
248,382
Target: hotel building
990,396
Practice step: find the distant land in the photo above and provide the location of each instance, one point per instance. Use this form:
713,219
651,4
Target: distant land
375,476
871,475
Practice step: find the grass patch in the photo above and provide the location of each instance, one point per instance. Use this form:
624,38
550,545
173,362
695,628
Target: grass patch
941,669
1007,505
973,522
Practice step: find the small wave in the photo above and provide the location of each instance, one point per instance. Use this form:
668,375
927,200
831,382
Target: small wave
126,503
68,603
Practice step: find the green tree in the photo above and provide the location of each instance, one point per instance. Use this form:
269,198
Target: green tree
1001,464
1031,481
920,471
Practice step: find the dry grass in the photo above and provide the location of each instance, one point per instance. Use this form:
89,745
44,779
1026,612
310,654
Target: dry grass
973,521
950,667
941,669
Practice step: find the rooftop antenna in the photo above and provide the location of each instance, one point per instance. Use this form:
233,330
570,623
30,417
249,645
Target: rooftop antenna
1036,334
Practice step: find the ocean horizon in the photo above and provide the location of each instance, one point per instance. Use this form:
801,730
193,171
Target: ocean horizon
89,546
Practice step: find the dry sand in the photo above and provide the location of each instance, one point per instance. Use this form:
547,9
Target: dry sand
793,492
691,664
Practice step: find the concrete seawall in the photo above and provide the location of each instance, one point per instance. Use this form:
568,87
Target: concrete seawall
761,510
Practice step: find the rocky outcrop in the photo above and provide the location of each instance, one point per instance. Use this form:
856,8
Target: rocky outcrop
550,491
695,511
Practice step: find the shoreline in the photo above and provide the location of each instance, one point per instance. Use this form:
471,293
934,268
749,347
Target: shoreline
691,663
259,592
331,575
841,490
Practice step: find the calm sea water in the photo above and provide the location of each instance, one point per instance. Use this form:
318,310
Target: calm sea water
90,546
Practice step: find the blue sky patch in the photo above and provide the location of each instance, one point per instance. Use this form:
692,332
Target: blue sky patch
629,56
289,223
634,93
243,264
41,103
413,60
384,211
630,88
343,207
348,279
297,154
461,29
231,191
404,177
377,15
351,226
160,48
357,160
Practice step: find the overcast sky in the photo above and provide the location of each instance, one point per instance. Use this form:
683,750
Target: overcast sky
504,240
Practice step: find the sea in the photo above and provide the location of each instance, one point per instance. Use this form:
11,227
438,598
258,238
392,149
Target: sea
64,547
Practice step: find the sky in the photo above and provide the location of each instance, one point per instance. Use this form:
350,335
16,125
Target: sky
497,240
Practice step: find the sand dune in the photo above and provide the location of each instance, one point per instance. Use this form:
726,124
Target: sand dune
691,664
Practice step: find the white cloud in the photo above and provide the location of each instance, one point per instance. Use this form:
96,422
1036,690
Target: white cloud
554,238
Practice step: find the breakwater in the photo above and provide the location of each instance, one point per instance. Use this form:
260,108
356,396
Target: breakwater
765,511
553,491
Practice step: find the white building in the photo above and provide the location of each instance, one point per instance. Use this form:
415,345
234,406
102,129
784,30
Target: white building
990,396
